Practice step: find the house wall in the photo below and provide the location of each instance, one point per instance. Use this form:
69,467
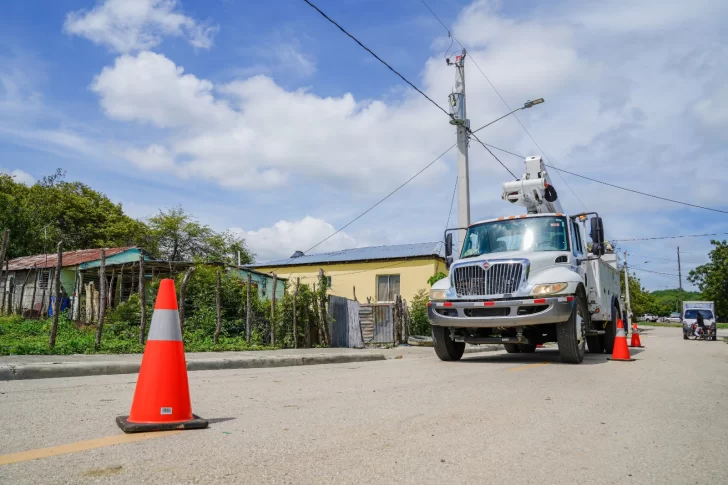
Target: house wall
264,283
18,277
413,276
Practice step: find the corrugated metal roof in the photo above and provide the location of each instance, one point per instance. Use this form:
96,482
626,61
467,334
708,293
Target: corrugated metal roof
372,253
70,258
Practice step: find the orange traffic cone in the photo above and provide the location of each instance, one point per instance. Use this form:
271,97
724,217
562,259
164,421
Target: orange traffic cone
162,395
635,337
621,351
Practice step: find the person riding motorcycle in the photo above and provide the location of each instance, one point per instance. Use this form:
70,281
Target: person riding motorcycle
700,328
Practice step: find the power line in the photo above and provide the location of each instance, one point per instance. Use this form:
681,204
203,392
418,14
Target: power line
668,237
638,192
653,272
380,200
503,99
452,202
493,154
377,57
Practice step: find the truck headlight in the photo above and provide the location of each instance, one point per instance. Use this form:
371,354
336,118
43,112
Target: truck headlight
438,295
548,289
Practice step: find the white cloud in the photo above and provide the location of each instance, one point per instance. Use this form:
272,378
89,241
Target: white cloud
19,176
134,25
286,237
293,60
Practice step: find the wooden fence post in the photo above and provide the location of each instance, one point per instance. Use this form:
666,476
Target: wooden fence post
102,297
4,275
110,292
322,310
121,284
142,301
4,284
273,311
22,293
57,302
182,290
295,329
218,327
35,289
247,311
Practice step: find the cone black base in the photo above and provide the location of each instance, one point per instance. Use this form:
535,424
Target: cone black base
621,360
195,423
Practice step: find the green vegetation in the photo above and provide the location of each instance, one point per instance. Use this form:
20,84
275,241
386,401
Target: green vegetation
712,278
39,215
418,314
121,327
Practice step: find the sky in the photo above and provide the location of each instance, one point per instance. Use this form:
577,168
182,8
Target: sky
263,118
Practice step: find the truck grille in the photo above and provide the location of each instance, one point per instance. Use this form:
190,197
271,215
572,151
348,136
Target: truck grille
498,279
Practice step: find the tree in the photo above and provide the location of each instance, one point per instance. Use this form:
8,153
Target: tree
641,301
180,237
712,278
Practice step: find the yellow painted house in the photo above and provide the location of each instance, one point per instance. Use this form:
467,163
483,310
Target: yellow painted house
379,272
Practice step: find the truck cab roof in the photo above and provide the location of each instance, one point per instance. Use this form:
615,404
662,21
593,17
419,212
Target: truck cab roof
521,216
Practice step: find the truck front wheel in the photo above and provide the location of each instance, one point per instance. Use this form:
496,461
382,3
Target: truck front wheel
571,334
445,347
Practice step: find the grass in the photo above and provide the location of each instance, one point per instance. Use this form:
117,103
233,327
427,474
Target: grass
30,337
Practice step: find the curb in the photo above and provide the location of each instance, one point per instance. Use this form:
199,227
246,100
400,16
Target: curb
80,369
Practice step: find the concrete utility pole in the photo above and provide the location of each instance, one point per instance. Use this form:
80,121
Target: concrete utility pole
679,268
626,294
459,119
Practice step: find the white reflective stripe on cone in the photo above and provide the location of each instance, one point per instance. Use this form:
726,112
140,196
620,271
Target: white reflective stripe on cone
165,325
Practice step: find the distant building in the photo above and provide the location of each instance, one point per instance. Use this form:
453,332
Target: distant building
29,284
380,272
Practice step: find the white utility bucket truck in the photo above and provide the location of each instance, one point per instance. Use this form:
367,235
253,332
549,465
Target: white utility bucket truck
529,279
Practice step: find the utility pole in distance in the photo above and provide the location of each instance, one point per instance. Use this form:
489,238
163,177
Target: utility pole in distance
459,119
679,268
626,294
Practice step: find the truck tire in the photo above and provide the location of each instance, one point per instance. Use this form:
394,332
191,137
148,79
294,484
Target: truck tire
685,335
595,343
445,348
611,331
512,348
527,348
572,342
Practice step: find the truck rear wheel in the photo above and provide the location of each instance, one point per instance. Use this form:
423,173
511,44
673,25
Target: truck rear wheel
571,334
611,331
527,348
512,348
595,344
445,347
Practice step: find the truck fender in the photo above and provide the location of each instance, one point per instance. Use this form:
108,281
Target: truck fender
558,274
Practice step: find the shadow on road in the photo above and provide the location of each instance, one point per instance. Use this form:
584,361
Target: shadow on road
542,355
219,420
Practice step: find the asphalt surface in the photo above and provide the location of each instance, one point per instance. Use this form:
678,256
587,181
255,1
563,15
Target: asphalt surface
491,418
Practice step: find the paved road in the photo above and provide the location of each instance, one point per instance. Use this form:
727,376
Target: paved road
492,418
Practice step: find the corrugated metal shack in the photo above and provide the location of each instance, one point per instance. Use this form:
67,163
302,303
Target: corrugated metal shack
29,285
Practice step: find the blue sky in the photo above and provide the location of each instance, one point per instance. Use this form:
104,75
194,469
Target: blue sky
264,118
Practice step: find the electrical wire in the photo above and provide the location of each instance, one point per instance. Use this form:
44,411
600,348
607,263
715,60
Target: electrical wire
452,202
668,237
653,272
380,200
637,191
504,101
493,154
377,57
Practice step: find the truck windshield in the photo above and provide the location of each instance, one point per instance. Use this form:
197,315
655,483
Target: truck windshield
693,314
528,234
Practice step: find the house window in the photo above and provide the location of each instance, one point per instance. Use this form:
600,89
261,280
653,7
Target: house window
45,276
328,282
387,287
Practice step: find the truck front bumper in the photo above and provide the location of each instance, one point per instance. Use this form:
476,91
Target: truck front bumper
500,313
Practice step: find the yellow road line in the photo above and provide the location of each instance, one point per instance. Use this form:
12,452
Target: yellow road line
81,446
524,367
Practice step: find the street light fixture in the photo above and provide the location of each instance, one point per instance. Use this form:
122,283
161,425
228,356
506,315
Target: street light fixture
526,105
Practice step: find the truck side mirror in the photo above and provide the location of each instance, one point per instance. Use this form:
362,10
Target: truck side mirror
448,250
597,231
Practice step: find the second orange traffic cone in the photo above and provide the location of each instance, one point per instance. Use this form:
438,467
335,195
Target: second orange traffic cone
162,395
635,337
621,351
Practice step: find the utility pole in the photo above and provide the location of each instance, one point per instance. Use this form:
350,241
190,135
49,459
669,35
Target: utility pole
459,119
626,294
679,268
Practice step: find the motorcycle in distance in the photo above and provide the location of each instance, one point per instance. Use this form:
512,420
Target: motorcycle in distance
704,333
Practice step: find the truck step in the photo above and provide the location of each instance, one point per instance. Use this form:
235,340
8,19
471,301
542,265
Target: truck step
591,333
493,340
